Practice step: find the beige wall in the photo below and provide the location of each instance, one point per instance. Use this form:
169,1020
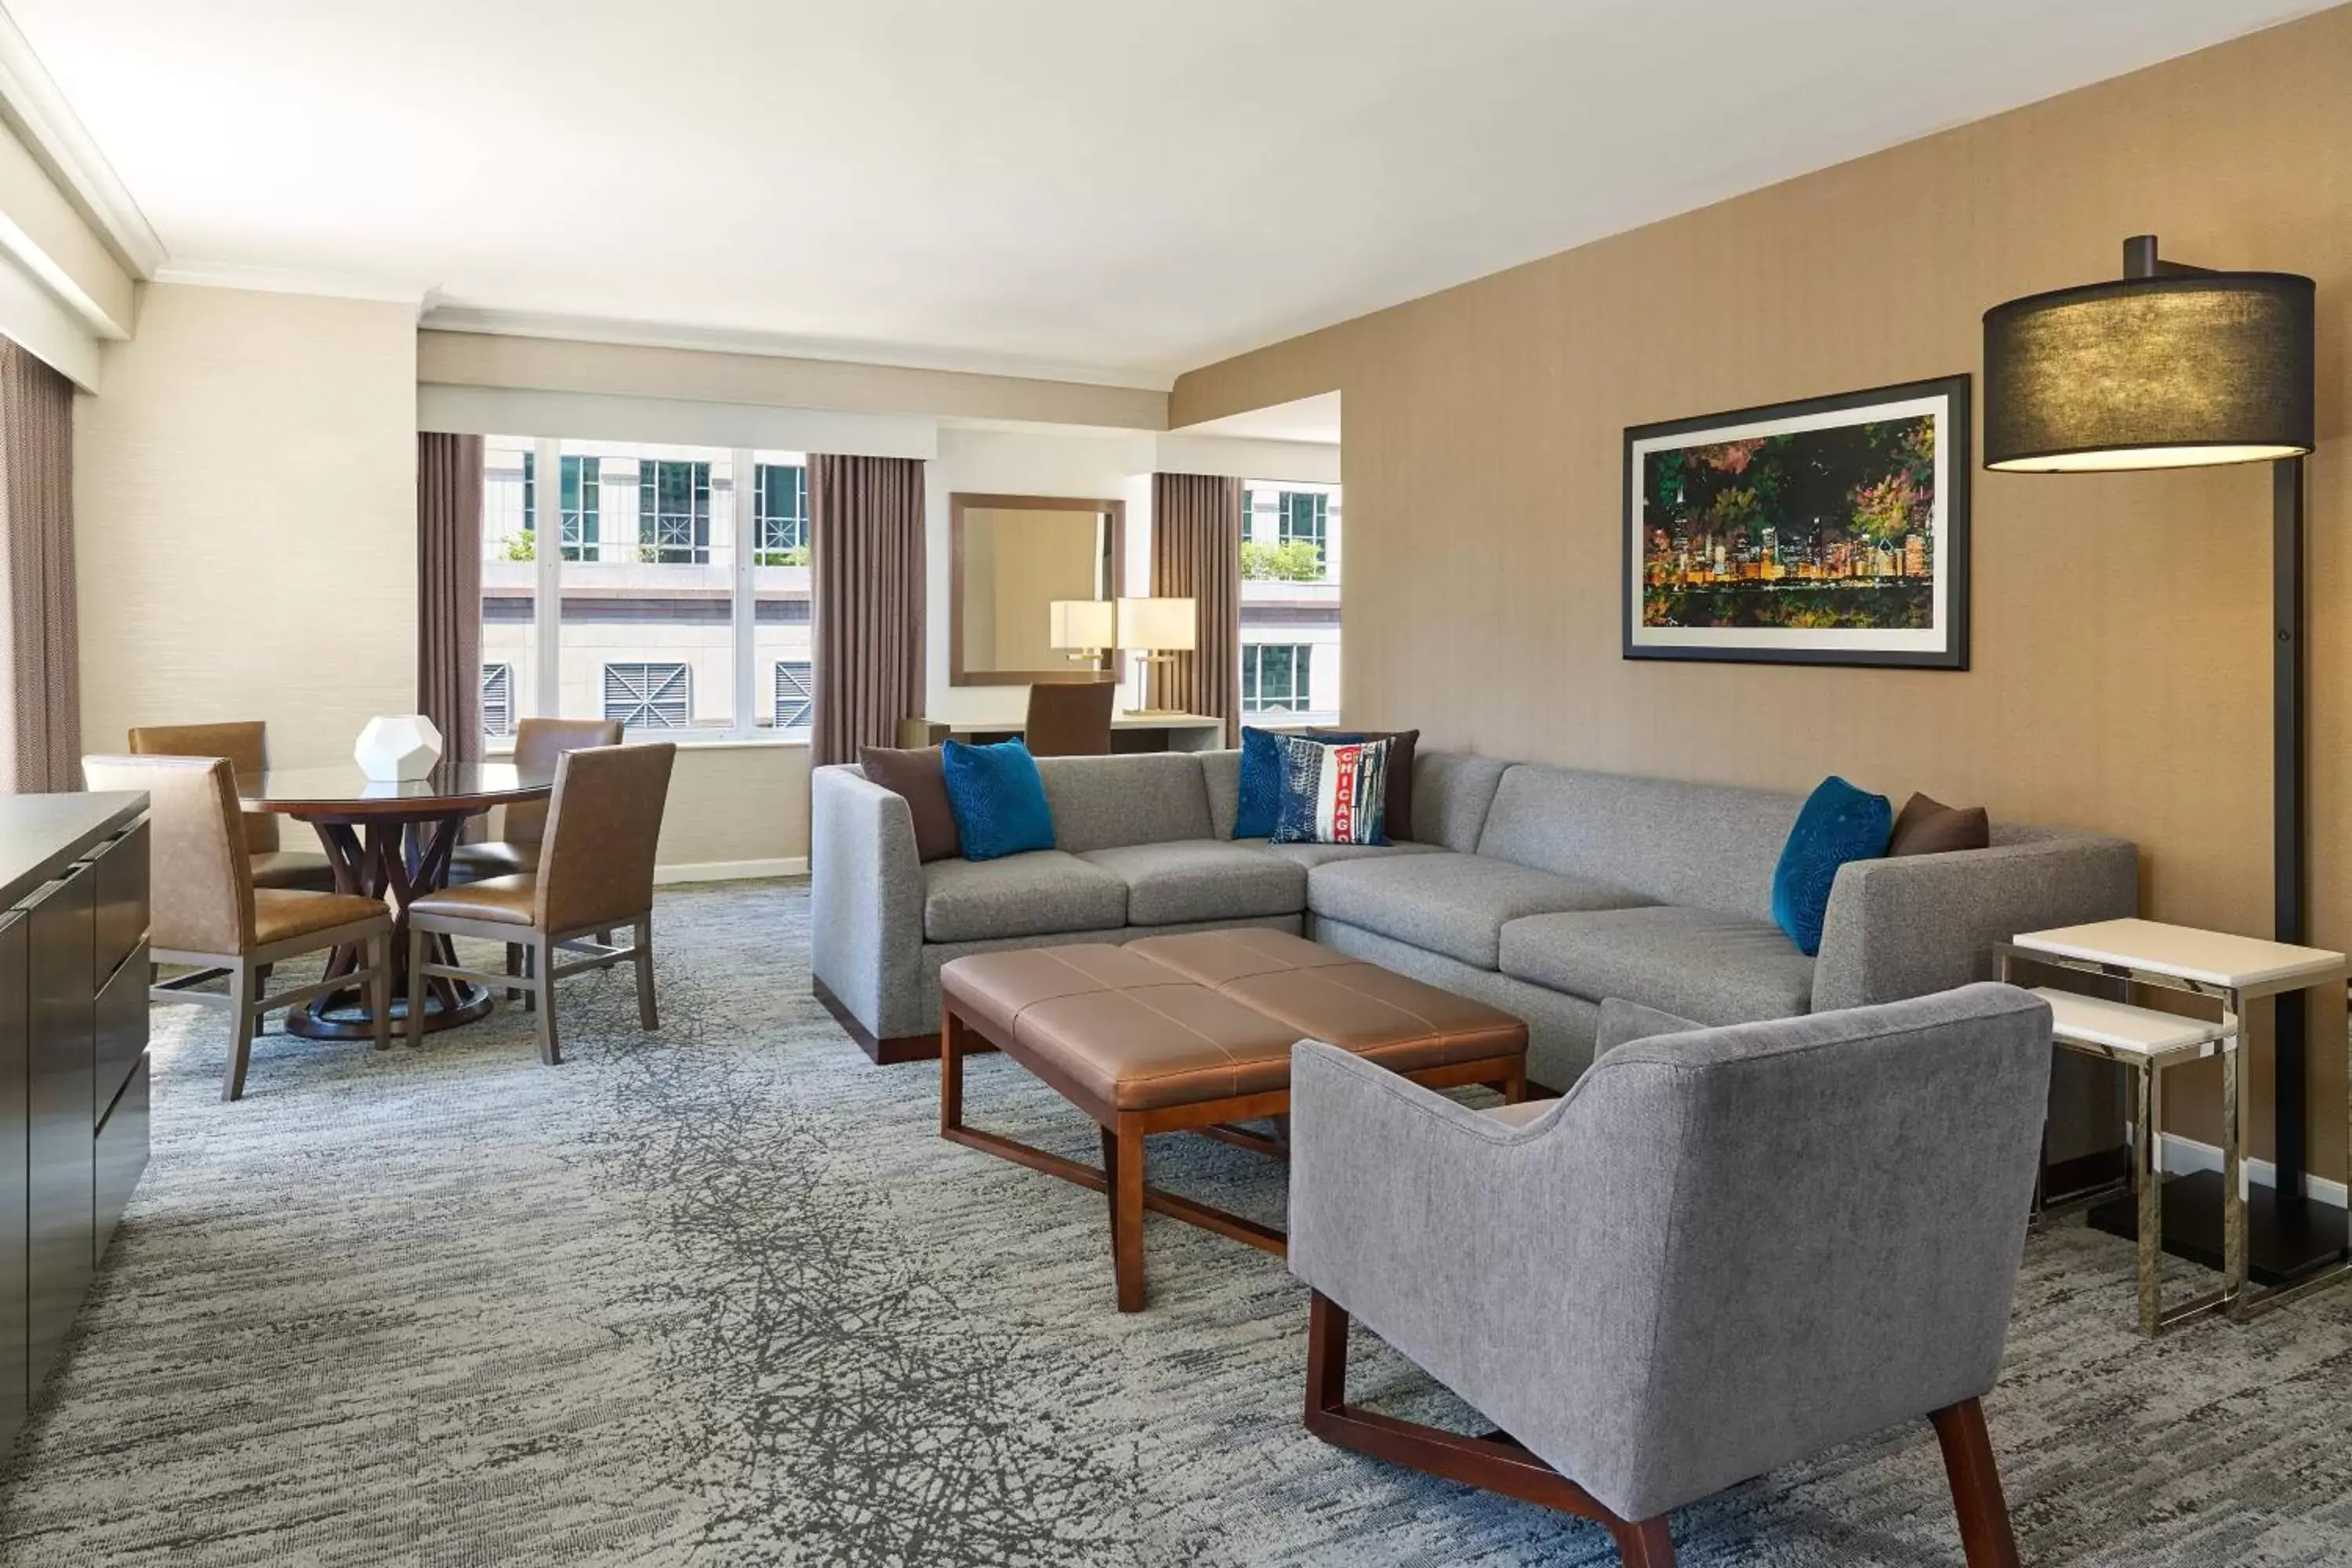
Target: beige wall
244,493
734,803
2121,649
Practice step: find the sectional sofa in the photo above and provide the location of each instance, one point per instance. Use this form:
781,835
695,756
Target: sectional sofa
1540,890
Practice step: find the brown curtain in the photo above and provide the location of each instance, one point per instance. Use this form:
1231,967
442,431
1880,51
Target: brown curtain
1196,554
43,688
449,590
865,555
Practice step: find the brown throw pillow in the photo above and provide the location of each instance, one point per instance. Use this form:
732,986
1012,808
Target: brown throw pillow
1398,811
1930,828
919,778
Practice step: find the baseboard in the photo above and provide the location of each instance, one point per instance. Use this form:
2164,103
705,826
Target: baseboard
2183,1155
730,870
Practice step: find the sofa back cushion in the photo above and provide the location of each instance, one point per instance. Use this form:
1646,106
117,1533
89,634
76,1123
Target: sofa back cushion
1451,794
1101,803
1707,847
1221,772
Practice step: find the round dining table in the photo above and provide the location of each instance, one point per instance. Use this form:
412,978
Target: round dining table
390,839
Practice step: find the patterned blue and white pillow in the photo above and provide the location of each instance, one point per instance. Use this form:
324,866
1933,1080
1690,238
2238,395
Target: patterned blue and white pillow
1332,792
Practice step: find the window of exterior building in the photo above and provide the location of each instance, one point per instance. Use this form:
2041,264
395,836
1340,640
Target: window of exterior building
795,695
677,586
1276,678
497,701
780,515
650,696
1302,517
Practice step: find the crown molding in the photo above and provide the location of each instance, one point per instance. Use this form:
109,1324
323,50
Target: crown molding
33,106
779,345
292,281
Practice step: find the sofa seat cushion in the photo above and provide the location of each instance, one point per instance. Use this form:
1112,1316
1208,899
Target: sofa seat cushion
1313,855
1036,893
1201,879
1449,903
1706,967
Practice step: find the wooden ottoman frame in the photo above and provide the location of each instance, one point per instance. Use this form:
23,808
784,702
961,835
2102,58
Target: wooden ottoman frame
1123,1132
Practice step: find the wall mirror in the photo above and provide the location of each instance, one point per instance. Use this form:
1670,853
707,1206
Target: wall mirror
1013,556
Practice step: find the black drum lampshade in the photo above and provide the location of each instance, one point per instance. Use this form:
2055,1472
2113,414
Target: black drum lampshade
2176,370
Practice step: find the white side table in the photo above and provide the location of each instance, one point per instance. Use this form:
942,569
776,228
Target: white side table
2233,971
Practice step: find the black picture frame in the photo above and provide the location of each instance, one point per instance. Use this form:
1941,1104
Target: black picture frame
1946,643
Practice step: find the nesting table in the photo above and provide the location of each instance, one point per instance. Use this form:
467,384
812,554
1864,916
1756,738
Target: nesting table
2271,1245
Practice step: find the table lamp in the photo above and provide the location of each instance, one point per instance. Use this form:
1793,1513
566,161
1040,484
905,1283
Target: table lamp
2176,366
1156,631
1082,628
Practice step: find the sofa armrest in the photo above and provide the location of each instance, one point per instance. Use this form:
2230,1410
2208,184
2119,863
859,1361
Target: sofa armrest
1914,924
865,901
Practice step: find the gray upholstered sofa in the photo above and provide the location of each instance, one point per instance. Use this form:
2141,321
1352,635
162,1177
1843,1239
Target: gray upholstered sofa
1540,890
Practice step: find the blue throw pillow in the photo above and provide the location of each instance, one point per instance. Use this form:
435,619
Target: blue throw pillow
1839,823
1258,806
1333,792
998,799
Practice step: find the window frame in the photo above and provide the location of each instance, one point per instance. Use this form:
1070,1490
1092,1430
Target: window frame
735,518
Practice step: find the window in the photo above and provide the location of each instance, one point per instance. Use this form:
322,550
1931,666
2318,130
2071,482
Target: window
795,695
674,585
1302,517
650,696
780,515
580,497
1276,678
497,701
674,511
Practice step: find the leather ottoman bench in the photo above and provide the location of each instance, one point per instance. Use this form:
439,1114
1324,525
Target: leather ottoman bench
1191,1034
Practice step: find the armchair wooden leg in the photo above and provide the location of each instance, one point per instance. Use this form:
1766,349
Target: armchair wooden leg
543,992
420,945
646,1016
1127,1216
1985,1533
243,991
379,988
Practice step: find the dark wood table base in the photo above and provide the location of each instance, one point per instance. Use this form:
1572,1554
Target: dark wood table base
403,861
1123,1132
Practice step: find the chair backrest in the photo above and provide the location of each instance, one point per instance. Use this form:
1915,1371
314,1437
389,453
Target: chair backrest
538,743
1811,1230
245,742
596,862
201,880
1070,720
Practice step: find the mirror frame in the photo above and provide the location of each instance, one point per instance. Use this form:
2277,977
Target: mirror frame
1073,674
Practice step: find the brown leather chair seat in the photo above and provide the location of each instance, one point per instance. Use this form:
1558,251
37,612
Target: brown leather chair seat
280,913
506,899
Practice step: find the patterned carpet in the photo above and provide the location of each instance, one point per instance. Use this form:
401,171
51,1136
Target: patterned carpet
720,1296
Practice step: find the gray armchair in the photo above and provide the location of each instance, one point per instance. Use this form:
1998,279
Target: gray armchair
1723,1250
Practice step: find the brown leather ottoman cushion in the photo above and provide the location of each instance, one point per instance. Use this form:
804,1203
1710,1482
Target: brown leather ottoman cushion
1180,1019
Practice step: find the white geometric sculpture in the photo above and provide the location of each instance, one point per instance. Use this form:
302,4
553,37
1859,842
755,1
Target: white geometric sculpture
398,747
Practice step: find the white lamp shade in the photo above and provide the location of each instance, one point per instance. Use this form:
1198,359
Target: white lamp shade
1080,624
1156,626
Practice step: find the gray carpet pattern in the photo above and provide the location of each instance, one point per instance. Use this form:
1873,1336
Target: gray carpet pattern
719,1295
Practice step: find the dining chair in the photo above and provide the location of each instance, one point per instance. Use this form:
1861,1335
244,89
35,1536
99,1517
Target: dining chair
207,913
1070,719
538,742
246,744
595,874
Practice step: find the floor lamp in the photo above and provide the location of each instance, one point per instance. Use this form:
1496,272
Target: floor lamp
2176,366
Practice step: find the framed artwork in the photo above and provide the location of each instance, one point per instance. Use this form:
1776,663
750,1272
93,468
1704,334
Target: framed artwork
1831,531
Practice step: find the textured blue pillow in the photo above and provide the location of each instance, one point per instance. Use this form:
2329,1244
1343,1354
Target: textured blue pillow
998,799
1333,792
1839,823
1258,806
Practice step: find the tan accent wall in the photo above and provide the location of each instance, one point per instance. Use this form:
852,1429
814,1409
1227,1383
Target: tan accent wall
737,804
245,494
2121,647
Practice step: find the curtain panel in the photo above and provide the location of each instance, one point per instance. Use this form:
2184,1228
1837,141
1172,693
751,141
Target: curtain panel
868,587
449,590
43,688
1196,554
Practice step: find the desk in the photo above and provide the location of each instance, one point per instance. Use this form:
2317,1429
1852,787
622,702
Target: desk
1128,732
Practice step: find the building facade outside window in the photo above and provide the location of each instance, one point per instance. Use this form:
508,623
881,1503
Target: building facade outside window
1292,554
642,613
497,701
795,694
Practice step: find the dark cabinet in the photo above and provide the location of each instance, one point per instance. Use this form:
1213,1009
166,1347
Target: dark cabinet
74,883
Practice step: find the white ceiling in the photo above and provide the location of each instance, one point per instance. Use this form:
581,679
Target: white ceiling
1111,188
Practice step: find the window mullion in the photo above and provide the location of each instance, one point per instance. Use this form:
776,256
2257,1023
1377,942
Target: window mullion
547,583
746,683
